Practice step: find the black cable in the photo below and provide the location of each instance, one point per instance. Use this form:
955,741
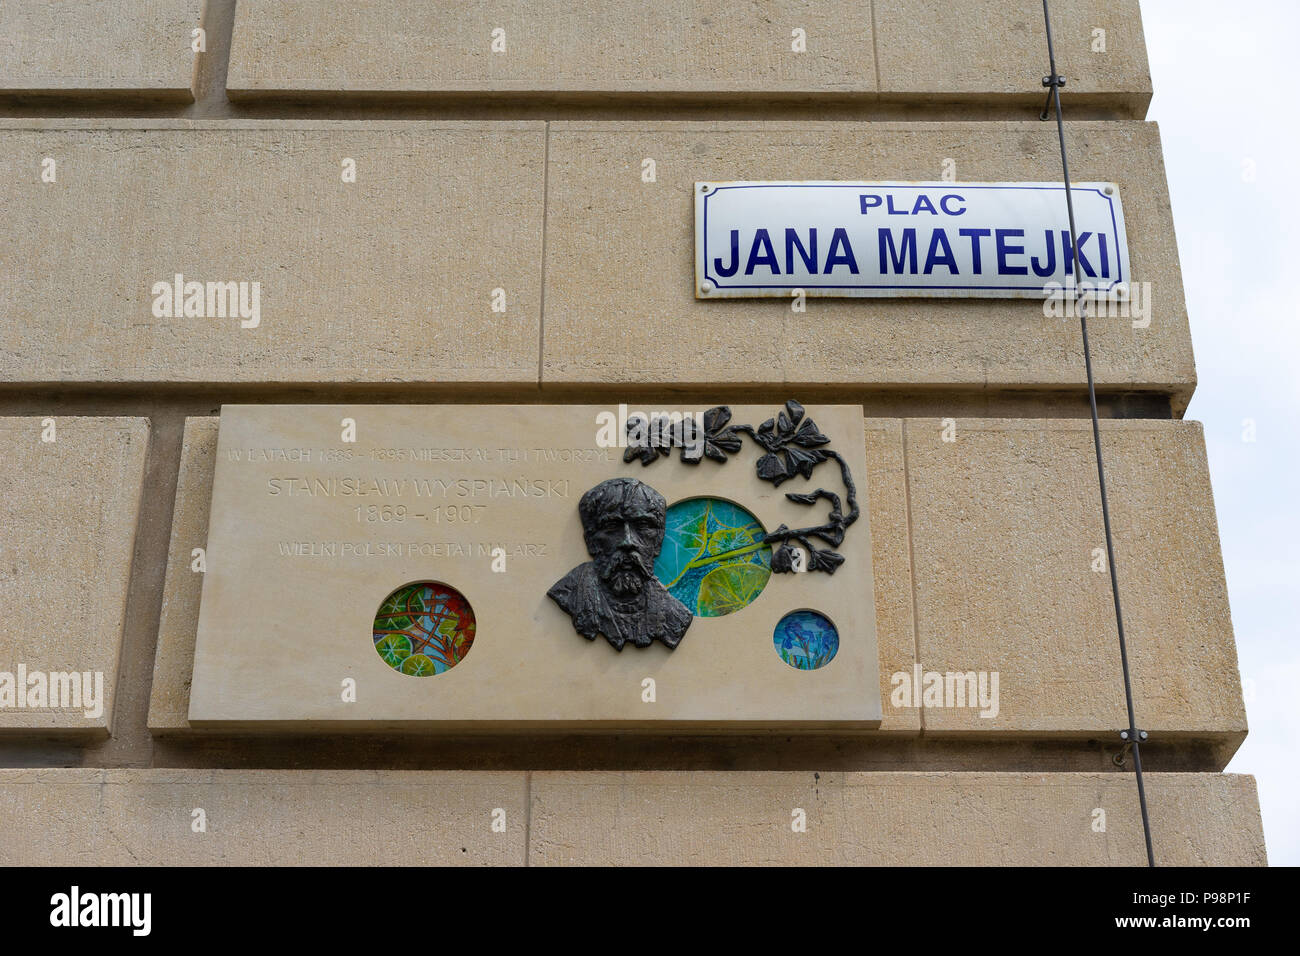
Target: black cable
1054,82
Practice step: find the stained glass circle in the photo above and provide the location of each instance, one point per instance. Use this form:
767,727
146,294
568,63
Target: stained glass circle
806,640
424,629
714,559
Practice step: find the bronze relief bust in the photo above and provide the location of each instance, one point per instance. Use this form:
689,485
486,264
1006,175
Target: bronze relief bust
616,594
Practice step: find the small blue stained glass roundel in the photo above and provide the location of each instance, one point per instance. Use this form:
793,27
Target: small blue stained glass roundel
806,640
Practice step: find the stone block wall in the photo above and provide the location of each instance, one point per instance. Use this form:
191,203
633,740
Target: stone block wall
499,150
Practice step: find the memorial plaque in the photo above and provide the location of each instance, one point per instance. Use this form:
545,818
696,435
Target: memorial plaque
535,567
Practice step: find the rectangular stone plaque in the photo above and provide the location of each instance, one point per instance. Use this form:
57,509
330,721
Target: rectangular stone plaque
311,534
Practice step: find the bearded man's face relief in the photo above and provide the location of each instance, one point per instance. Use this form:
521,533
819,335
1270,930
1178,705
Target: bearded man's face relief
624,546
616,593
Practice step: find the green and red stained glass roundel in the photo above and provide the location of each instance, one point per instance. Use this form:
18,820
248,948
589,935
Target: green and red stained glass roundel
424,629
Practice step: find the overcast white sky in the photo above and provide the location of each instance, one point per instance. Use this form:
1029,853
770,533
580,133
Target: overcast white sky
1223,76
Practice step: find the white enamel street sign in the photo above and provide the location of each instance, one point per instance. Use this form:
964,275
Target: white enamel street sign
986,240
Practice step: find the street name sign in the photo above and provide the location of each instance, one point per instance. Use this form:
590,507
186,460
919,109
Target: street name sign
894,239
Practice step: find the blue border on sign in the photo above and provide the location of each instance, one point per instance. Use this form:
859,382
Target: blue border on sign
1119,259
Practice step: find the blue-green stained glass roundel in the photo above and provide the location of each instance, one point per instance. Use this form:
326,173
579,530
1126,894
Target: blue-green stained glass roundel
714,559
